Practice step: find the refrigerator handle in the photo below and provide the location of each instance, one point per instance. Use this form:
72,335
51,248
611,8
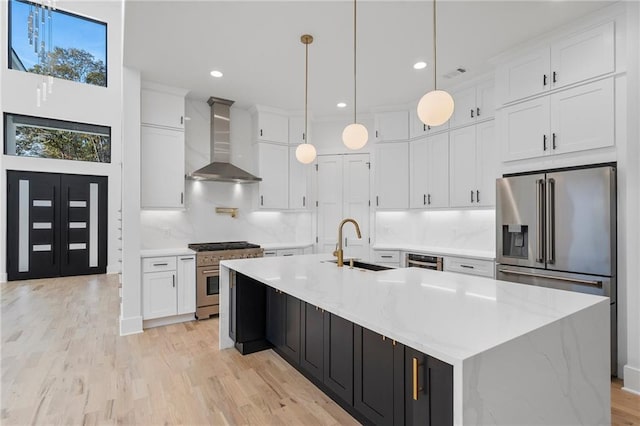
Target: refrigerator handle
551,221
539,220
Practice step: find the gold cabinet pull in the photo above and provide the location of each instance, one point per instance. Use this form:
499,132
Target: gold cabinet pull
415,378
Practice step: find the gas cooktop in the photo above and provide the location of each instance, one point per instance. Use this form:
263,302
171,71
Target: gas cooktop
227,245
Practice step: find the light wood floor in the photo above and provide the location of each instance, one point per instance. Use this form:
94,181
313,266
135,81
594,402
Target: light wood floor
64,363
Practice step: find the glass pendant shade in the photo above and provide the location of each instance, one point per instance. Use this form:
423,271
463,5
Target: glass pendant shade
355,136
435,108
305,153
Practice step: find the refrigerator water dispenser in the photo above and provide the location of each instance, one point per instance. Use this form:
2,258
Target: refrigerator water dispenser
515,241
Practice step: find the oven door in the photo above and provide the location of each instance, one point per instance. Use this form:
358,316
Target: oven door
208,286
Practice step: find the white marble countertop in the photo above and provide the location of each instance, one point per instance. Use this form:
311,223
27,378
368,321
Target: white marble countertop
443,251
449,316
280,246
174,251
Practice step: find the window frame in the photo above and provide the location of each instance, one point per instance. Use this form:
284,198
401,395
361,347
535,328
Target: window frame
74,15
72,126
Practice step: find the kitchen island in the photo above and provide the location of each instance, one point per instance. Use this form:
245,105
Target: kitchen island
519,354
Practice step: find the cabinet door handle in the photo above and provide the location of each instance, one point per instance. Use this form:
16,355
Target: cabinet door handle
429,199
173,277
161,264
467,266
555,75
377,201
553,143
477,111
304,137
304,201
182,198
376,133
471,112
260,132
345,242
386,256
424,199
416,387
261,200
424,127
544,142
544,80
477,196
186,258
472,195
428,127
181,119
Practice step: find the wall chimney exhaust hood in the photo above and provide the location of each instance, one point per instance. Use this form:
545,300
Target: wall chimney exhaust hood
220,169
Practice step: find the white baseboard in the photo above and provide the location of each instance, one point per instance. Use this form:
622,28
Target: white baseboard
158,322
3,278
132,325
631,379
113,269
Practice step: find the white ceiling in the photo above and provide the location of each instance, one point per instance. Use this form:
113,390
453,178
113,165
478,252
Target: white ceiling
257,46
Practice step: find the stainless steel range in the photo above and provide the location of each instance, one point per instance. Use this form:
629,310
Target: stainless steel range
208,259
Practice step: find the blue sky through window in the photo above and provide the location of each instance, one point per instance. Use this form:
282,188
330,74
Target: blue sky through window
68,32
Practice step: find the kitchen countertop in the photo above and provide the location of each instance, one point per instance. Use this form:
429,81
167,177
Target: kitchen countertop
473,254
175,251
279,246
450,316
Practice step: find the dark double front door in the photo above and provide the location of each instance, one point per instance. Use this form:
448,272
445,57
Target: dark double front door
56,225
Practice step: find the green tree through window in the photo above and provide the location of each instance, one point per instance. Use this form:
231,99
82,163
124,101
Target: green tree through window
73,64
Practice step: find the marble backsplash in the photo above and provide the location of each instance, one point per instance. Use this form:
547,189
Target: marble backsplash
462,229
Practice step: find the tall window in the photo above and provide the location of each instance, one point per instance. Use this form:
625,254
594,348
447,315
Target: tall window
65,140
57,43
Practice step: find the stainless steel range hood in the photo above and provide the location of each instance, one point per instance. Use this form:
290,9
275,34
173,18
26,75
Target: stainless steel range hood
220,169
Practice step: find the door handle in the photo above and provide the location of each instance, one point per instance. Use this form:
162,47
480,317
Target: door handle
472,195
262,200
544,142
478,112
553,141
415,378
471,112
551,221
555,75
173,277
467,266
544,80
161,264
216,271
377,201
477,195
429,199
424,199
304,201
539,220
595,283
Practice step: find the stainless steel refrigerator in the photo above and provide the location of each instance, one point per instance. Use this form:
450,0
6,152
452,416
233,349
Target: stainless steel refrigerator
558,229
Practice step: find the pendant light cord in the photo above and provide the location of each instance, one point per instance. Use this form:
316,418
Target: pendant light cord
435,54
306,88
354,63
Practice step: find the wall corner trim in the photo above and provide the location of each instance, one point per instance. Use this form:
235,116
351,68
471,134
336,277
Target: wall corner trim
132,325
631,379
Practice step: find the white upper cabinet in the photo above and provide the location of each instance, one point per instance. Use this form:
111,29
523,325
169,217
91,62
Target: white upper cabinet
392,126
272,127
161,168
473,165
162,109
392,175
296,130
576,119
473,104
298,179
273,168
587,54
417,129
429,172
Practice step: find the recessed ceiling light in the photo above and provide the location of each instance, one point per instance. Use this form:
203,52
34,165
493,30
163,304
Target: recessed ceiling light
216,73
341,105
419,65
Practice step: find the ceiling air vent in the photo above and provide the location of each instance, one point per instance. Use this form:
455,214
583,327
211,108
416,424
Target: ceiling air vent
452,74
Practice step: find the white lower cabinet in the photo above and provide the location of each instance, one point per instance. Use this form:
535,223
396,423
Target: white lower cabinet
168,286
387,257
483,268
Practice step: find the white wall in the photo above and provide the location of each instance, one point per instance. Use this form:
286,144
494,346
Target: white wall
74,102
198,222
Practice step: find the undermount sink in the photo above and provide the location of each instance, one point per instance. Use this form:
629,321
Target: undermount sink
362,265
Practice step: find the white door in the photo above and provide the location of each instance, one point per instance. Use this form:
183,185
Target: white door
462,149
330,186
487,164
159,294
186,284
583,117
485,100
585,55
298,178
392,126
464,111
273,164
419,173
438,171
356,204
525,76
525,130
392,175
162,109
161,168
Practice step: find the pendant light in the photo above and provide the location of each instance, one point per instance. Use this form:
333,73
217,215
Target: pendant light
305,152
435,107
355,135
